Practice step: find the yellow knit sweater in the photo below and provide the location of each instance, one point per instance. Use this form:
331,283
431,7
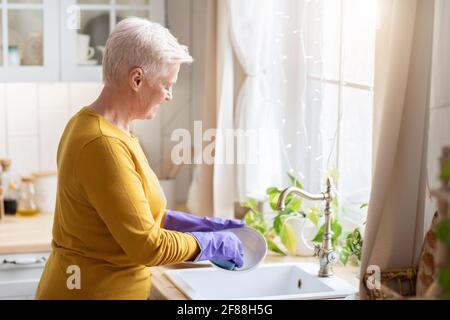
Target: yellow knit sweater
108,218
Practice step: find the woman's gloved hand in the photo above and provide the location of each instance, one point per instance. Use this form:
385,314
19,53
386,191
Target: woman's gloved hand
185,222
220,246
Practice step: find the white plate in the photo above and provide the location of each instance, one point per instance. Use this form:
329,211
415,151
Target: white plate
255,247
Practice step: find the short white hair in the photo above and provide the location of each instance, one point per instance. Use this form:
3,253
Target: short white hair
137,42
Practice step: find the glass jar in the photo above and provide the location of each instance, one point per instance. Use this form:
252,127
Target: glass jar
26,201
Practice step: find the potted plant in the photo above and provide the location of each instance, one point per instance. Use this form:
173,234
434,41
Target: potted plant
283,228
282,235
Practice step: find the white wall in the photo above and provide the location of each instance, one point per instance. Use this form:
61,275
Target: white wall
32,118
33,115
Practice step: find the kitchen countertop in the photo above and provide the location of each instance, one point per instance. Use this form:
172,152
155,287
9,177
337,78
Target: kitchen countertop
164,289
26,234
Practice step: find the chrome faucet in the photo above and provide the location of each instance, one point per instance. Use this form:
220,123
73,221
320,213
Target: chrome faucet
327,256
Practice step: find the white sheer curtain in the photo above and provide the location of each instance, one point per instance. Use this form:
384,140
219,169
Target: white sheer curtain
224,179
248,31
321,80
259,165
304,77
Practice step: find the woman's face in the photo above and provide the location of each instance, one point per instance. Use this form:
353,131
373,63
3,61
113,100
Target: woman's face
151,96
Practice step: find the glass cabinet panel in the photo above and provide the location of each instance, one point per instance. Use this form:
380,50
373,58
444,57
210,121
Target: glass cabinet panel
122,14
132,8
133,2
25,1
29,31
82,50
25,37
92,36
94,1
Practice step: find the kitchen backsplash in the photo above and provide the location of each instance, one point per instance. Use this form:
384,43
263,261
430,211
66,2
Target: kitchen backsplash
33,117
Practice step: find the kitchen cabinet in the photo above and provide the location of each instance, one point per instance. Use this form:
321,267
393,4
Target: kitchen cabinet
28,40
62,40
20,274
82,47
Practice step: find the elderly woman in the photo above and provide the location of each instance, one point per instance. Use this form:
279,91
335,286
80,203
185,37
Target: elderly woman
111,222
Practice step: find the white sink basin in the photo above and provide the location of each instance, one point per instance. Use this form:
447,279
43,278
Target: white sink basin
268,281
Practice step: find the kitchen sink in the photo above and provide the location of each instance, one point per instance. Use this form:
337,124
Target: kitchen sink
268,281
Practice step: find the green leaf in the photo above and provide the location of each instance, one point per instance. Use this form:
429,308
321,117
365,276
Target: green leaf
294,203
272,190
262,229
273,199
314,214
294,181
443,231
352,246
445,173
336,229
289,238
277,224
364,205
256,220
444,278
314,218
273,247
252,217
249,218
319,235
250,204
343,256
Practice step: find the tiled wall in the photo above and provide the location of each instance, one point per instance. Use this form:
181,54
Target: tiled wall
32,118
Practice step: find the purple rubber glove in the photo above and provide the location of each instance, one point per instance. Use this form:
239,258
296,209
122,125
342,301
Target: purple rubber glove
220,246
185,222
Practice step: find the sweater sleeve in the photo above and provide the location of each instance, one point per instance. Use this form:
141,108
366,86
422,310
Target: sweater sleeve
106,173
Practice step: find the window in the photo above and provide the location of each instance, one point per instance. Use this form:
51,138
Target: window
340,49
325,96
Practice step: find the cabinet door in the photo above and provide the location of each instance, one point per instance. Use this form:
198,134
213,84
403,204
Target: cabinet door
20,274
29,40
86,27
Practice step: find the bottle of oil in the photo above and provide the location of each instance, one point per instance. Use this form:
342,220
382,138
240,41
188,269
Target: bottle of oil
9,182
2,208
26,202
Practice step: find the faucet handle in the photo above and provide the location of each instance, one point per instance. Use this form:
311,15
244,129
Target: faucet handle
317,249
332,257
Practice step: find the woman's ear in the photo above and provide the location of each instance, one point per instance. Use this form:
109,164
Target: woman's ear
136,78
